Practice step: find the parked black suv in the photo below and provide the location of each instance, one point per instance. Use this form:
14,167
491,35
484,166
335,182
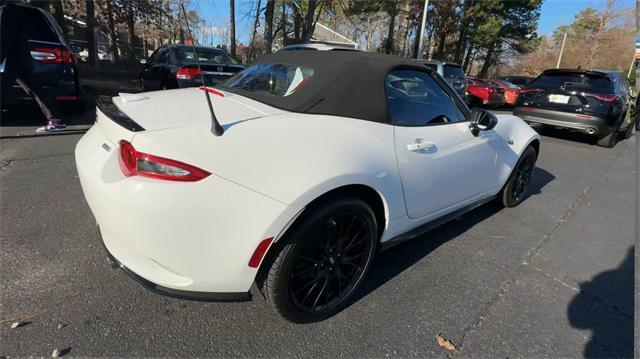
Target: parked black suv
174,66
599,103
53,64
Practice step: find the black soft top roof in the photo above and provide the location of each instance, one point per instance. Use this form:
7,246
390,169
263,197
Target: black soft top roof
344,83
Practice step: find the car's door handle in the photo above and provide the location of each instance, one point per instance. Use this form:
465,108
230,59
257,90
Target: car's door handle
420,145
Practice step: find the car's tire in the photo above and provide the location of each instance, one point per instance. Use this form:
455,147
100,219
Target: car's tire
515,189
610,140
325,256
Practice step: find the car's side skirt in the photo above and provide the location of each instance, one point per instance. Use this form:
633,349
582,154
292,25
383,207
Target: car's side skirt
426,227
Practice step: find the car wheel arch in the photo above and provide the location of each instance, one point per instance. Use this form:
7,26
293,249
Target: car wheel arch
373,198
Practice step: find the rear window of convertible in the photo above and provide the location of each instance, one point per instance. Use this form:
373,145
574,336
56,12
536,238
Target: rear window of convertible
279,80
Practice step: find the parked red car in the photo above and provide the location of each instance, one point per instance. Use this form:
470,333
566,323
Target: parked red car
511,91
482,92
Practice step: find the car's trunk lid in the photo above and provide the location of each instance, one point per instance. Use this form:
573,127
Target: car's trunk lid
188,107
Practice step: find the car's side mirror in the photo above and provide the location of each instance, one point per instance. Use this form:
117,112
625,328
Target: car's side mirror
482,120
143,61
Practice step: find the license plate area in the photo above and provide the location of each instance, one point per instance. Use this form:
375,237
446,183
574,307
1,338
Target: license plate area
559,99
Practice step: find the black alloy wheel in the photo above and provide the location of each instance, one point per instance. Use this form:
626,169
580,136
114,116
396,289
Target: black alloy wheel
327,257
518,183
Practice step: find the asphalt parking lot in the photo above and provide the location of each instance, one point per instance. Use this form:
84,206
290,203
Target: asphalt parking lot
552,277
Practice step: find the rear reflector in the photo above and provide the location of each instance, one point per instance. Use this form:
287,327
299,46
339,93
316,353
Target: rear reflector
530,90
527,109
134,163
259,253
583,116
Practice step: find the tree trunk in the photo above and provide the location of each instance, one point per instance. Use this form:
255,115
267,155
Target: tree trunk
268,24
232,26
467,58
441,43
132,30
285,40
255,30
416,42
461,44
309,22
388,49
115,54
488,61
181,35
297,25
59,15
601,28
91,42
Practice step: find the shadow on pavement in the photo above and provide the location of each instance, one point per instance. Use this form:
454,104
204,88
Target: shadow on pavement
396,260
611,337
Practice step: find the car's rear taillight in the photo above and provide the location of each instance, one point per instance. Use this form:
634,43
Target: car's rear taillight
52,55
134,163
188,73
603,98
530,90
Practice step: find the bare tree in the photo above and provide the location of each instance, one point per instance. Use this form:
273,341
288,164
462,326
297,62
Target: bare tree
256,23
232,26
91,23
606,13
268,24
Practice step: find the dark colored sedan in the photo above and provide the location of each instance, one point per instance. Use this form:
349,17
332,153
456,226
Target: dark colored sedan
599,103
53,64
175,66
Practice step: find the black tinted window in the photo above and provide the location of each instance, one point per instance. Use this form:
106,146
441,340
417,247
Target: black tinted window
37,28
453,71
212,56
162,57
570,81
415,99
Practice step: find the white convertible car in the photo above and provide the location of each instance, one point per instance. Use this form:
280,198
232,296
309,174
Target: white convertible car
326,157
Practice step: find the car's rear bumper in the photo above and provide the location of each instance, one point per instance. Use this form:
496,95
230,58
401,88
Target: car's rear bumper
174,293
588,124
191,237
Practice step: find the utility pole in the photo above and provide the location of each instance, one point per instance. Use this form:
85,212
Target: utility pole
564,39
422,25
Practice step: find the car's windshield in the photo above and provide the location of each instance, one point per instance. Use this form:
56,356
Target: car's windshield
205,55
454,71
566,80
272,79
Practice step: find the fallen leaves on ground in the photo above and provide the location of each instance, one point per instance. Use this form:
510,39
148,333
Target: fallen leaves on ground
445,343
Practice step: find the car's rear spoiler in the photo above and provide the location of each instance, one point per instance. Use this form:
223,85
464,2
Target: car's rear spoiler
105,105
576,71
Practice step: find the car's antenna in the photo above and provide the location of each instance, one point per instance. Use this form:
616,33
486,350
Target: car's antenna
216,129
